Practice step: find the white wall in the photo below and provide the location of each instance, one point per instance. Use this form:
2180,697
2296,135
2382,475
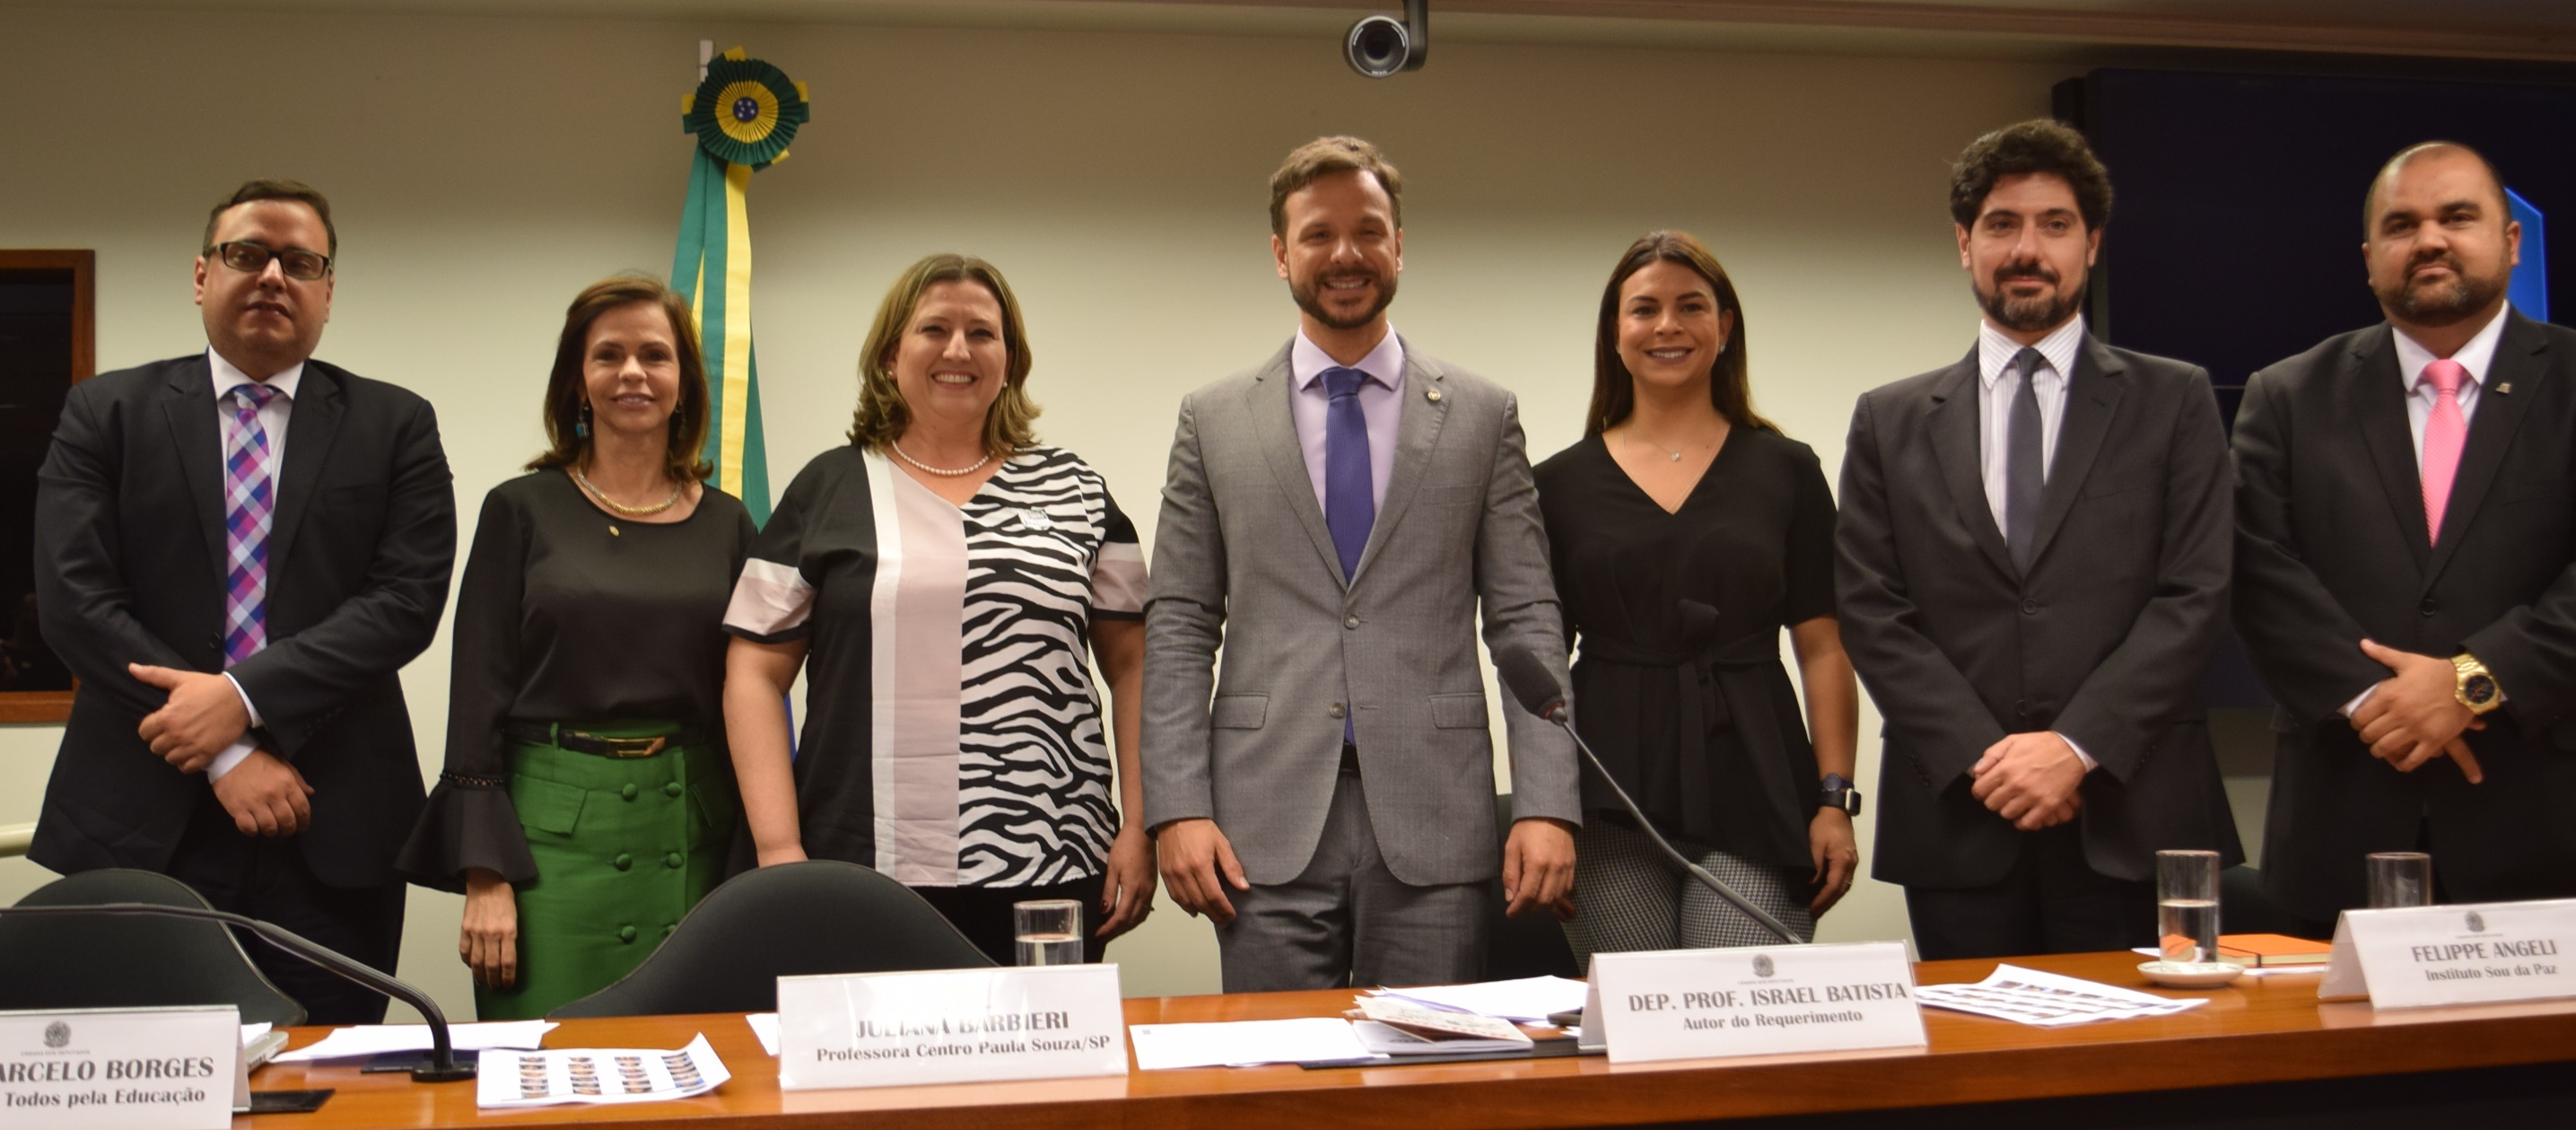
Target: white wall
483,169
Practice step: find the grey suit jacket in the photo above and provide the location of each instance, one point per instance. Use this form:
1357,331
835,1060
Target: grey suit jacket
1242,557
2103,640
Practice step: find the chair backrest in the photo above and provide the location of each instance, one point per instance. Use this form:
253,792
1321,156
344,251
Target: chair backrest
817,916
67,961
1532,945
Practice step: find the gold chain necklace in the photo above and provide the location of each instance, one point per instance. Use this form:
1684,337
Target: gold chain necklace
629,511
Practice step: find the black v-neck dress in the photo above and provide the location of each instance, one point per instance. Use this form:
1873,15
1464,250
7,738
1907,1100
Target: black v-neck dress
1676,620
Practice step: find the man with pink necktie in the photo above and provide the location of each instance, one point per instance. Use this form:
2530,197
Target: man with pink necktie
237,607
2406,524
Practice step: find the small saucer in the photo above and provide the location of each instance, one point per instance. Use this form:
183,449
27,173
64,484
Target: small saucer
2191,975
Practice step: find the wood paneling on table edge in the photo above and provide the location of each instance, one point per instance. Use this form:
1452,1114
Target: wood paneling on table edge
2256,1031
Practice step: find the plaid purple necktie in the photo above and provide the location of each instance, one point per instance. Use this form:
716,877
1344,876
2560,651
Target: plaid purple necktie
250,502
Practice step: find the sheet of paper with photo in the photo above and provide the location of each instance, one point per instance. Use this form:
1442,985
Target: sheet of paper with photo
2048,1000
596,1075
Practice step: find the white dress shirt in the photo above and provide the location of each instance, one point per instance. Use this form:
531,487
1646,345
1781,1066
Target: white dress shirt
2477,357
1381,403
272,420
1995,354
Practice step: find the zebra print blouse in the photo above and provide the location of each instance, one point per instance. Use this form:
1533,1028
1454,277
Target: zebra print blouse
953,735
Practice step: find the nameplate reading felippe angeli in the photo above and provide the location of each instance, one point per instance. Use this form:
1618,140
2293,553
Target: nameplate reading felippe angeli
1756,1000
120,1068
2488,953
949,1026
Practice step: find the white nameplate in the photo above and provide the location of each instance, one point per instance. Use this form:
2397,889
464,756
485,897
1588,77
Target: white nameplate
2412,957
120,1068
949,1026
1757,1000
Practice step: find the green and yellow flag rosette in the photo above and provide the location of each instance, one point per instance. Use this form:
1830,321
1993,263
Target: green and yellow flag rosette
743,113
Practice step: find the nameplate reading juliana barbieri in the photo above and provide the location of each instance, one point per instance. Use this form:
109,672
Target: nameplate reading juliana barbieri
951,1026
1757,1000
121,1069
2488,953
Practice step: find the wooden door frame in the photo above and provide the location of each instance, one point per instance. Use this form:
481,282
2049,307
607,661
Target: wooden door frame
56,706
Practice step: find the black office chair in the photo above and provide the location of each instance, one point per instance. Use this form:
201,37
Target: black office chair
1532,945
82,961
818,916
2243,908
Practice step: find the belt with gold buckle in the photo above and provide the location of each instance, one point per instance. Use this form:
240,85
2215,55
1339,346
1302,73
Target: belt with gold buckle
599,745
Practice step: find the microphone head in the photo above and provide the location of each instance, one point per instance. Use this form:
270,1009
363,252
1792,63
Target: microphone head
1529,681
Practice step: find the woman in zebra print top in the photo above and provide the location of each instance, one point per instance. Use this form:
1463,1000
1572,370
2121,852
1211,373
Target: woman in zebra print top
942,576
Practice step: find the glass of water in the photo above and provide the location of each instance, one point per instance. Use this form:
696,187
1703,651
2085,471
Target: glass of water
1047,931
2187,906
2400,878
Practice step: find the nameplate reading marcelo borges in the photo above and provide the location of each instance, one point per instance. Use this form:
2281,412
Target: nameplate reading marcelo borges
2487,953
949,1026
120,1068
1756,1000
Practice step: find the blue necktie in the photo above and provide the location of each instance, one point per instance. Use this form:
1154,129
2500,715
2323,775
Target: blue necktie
1350,506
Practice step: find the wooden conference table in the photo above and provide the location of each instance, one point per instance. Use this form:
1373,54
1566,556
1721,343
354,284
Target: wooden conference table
2263,1050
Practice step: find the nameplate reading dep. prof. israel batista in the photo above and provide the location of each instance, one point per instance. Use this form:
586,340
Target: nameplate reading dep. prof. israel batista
949,1026
1756,1000
120,1068
2488,953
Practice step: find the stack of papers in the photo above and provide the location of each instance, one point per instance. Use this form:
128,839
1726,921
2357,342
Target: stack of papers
1530,1000
2028,996
377,1039
1398,1027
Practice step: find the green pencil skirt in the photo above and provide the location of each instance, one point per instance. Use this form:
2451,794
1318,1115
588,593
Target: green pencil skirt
624,847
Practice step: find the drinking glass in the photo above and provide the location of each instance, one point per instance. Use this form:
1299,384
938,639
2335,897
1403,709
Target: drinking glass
2187,906
2400,878
1047,932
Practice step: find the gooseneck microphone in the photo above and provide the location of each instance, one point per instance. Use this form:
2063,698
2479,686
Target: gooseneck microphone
442,1066
1529,681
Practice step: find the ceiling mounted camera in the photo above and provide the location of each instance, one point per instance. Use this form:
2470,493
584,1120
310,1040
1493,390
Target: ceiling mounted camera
1380,46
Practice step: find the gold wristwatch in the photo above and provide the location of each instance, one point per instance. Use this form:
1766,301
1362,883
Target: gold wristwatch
2476,686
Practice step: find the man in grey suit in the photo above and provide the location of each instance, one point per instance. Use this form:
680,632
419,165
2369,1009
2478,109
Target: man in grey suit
1334,517
2033,562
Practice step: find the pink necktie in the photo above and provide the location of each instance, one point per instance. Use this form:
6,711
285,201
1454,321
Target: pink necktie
249,508
2445,434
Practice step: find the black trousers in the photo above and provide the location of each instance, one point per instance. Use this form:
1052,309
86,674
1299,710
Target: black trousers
2050,902
266,877
983,914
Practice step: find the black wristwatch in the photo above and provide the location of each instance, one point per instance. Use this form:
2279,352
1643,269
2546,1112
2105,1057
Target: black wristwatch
1840,793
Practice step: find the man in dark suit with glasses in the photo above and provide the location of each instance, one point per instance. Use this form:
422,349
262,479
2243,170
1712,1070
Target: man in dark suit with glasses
237,607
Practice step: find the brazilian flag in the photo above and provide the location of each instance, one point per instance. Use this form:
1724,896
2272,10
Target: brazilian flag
743,114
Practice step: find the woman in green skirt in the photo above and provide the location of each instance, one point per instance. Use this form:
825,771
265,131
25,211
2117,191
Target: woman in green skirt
587,801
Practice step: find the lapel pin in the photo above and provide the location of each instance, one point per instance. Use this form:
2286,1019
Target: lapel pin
1432,395
2506,388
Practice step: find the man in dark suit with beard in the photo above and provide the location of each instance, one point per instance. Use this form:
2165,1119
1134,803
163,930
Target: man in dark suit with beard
2406,515
2033,559
237,607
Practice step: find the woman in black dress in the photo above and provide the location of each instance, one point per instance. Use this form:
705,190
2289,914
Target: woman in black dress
1686,532
587,802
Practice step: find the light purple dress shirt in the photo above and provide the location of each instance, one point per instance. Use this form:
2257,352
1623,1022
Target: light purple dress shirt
1381,401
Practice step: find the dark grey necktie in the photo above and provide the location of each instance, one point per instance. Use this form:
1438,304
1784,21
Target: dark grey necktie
2025,469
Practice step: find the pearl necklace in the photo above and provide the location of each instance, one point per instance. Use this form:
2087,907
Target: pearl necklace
969,469
629,511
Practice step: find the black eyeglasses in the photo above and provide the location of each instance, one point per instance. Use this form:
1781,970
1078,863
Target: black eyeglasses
252,258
